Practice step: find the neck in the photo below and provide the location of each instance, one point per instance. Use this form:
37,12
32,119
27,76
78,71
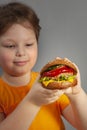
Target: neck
16,81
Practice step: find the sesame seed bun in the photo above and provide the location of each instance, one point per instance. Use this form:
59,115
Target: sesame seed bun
56,62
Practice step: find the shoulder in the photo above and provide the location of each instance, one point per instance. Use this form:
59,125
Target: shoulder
34,74
1,81
2,88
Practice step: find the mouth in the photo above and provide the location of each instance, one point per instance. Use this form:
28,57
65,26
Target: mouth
20,63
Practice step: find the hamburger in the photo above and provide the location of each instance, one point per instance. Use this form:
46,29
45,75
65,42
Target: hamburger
58,74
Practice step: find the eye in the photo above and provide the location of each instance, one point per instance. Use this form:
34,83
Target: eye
29,44
10,46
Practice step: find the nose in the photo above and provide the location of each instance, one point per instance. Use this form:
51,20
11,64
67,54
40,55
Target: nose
20,51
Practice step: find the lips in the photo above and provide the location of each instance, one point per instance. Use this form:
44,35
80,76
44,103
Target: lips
20,63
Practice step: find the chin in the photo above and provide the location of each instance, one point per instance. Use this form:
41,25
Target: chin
18,74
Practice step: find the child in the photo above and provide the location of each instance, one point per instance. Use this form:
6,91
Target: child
24,103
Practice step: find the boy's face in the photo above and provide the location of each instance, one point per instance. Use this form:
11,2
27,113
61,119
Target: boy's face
18,50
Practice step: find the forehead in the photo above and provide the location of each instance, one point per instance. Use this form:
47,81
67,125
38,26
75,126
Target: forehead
19,31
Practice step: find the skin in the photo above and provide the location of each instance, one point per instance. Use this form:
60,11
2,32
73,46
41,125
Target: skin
18,55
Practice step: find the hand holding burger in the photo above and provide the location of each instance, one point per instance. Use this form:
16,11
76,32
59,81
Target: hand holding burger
58,74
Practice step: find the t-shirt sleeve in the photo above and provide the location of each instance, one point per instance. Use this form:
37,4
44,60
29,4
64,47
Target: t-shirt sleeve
63,102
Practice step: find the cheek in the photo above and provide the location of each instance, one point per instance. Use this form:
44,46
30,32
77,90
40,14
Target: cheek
5,57
35,53
33,56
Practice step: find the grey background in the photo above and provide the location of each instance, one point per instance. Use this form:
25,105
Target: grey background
63,34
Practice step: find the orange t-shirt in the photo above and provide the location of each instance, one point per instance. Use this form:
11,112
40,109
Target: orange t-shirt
49,116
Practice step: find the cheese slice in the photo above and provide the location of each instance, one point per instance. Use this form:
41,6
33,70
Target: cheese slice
50,81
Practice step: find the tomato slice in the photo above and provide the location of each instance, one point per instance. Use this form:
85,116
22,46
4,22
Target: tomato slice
57,71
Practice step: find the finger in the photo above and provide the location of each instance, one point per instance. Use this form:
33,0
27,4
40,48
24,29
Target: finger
72,90
53,93
52,99
66,59
76,89
57,58
67,90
